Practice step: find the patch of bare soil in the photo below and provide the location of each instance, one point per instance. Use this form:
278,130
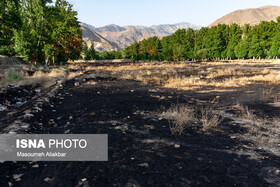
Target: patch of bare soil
142,150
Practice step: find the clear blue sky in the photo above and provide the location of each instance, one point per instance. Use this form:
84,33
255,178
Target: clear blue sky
153,12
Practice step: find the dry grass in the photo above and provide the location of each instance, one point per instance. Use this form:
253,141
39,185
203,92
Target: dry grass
60,72
191,76
72,75
180,117
263,132
209,119
45,79
238,79
270,95
38,78
246,113
92,83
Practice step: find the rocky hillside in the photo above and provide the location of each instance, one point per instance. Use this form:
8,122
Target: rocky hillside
124,36
252,16
100,43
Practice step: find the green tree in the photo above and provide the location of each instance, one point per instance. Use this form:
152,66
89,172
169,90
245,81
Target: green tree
216,41
64,32
200,43
49,32
150,49
190,44
132,51
28,39
89,52
275,48
10,21
235,36
241,49
202,54
178,52
167,48
255,49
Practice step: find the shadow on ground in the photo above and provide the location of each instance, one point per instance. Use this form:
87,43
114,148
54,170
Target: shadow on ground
141,148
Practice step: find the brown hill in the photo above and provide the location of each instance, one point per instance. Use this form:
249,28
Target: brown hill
124,36
100,43
251,16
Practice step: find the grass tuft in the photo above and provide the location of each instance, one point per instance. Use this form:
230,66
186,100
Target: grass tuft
209,119
12,76
180,117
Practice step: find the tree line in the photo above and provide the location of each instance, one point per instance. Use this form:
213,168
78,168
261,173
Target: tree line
218,42
41,31
46,31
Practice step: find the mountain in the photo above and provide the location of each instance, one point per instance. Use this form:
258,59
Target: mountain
100,43
110,28
124,36
251,16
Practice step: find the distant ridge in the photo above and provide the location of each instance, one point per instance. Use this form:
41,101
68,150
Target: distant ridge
100,43
122,37
251,16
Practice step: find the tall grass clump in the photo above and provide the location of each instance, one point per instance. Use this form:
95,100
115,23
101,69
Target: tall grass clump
180,117
11,76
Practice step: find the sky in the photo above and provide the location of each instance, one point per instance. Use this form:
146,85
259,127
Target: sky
154,12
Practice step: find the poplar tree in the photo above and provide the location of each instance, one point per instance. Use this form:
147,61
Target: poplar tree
10,21
28,39
49,33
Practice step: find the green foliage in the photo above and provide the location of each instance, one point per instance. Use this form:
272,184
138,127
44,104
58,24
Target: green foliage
12,76
216,41
202,54
255,49
65,35
40,30
178,52
150,49
10,20
222,41
275,48
234,37
89,53
110,55
275,42
28,38
43,31
241,49
167,48
132,51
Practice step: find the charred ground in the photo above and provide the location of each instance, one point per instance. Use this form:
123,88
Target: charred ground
142,150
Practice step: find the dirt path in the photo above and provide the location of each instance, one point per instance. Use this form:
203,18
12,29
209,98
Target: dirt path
141,147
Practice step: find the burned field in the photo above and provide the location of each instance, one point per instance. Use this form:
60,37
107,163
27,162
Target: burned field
179,124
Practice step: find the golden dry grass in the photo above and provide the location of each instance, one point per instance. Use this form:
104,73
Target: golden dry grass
180,117
237,79
45,79
72,75
194,76
209,119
